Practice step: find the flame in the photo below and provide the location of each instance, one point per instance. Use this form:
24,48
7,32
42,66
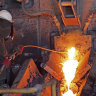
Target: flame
69,93
71,53
69,69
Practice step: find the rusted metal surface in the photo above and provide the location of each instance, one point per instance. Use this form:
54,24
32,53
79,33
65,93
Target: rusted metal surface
89,19
63,43
25,75
51,84
82,73
54,67
83,67
36,89
74,21
47,86
82,43
28,35
29,76
84,7
79,80
82,85
46,91
31,30
75,39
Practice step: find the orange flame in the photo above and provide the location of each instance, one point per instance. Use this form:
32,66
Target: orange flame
69,69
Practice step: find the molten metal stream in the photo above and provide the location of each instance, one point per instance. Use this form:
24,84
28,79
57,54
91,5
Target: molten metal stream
69,69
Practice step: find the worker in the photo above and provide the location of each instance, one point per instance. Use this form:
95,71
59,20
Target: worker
6,32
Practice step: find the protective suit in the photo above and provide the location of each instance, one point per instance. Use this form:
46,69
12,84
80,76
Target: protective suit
6,24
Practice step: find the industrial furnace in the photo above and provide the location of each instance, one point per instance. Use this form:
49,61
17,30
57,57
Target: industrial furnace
51,48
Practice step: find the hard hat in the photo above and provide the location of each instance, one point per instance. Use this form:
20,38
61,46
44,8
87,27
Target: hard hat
6,21
4,14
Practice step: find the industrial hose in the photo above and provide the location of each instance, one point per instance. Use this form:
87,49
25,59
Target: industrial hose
42,13
43,48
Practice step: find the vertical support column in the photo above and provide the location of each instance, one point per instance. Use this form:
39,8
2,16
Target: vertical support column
38,29
53,88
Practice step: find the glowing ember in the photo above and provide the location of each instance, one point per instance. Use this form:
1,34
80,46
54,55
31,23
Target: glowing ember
69,69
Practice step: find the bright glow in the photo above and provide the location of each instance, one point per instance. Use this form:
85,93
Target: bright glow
69,69
69,93
71,53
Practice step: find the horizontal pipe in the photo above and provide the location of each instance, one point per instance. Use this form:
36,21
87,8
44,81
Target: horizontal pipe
36,89
17,91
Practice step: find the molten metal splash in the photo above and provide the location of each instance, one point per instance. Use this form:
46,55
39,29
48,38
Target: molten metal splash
69,69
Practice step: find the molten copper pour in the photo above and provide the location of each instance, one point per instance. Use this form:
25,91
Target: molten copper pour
69,69
74,62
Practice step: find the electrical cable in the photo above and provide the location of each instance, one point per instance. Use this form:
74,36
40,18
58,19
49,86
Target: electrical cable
42,13
36,14
43,48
